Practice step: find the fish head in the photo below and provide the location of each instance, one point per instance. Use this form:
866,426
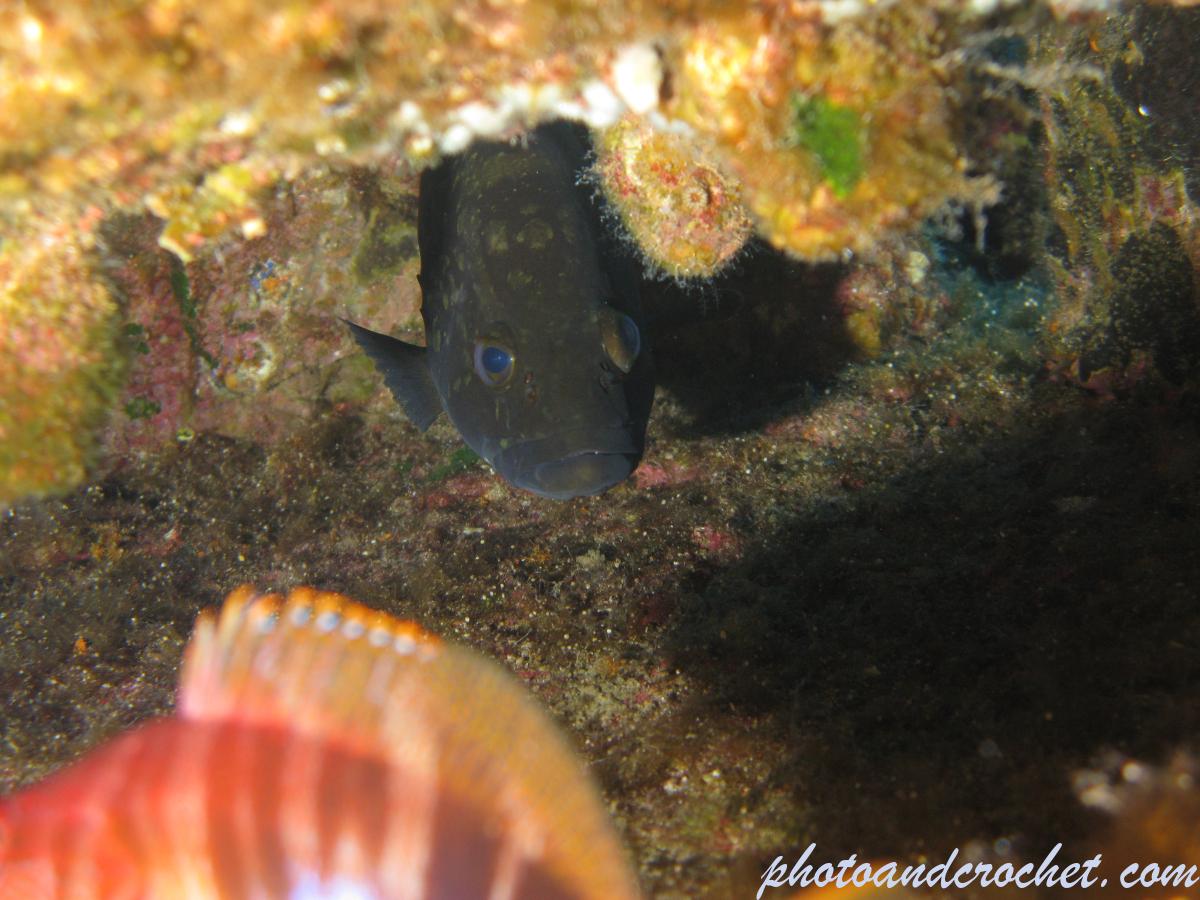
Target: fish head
537,346
565,417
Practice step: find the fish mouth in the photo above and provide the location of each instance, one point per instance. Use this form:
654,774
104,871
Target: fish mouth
577,463
581,475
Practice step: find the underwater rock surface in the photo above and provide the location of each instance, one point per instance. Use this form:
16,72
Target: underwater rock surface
900,558
231,132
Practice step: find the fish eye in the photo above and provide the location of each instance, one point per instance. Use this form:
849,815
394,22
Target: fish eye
621,337
493,362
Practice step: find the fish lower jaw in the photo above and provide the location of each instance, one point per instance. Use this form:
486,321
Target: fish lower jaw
582,474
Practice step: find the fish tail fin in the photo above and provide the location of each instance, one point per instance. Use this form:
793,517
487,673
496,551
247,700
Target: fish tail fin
405,370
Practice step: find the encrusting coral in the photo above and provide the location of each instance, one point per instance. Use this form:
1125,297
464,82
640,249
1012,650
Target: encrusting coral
824,126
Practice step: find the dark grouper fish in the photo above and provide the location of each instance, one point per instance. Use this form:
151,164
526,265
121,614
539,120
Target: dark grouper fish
533,322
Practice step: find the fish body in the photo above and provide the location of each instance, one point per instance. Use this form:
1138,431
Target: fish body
320,751
534,328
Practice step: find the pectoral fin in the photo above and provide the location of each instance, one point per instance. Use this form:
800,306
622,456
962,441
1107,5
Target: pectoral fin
405,370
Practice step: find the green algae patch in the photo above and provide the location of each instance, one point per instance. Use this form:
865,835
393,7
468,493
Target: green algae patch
833,135
460,460
187,305
179,287
137,334
142,408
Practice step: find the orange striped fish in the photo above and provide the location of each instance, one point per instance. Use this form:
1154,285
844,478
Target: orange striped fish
321,751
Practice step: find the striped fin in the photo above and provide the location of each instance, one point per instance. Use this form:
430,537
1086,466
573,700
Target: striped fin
300,662
322,666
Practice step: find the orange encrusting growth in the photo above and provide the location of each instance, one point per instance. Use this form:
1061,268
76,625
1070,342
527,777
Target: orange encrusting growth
320,750
679,207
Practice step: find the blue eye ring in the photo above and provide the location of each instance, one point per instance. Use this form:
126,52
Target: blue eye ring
494,362
621,338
